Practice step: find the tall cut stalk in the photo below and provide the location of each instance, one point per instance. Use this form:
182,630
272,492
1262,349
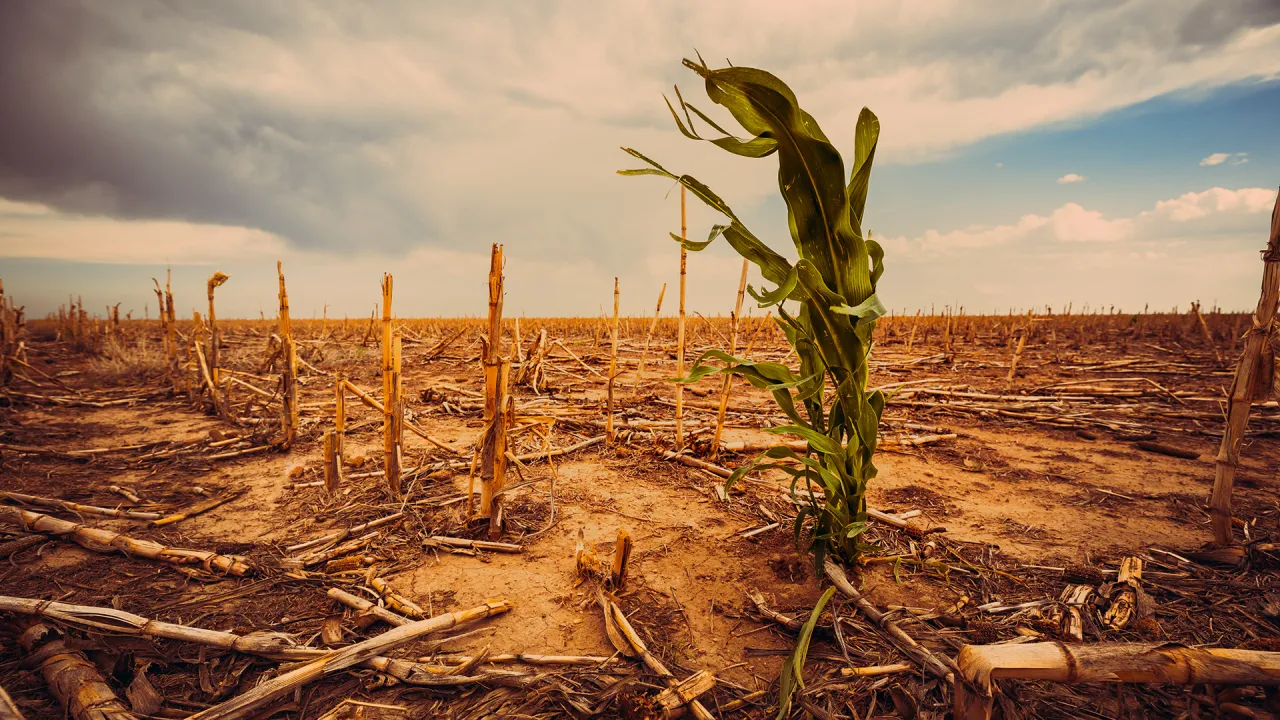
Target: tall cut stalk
826,299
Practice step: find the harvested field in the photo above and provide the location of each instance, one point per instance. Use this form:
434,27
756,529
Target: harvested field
999,491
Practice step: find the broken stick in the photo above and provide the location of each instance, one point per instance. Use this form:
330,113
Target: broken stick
100,540
248,703
72,679
981,665
616,622
904,642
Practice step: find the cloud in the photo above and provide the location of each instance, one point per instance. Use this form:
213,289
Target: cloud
1219,158
35,230
1070,178
1190,217
405,124
1072,223
1216,201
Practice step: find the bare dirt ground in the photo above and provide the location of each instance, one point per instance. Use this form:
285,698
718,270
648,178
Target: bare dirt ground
1046,474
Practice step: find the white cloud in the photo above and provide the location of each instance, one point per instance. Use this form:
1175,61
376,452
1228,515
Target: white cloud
1193,205
1072,223
1070,178
1219,158
1196,216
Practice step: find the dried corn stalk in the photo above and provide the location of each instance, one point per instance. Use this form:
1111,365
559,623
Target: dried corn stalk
100,540
288,370
391,425
72,679
215,338
1255,379
981,665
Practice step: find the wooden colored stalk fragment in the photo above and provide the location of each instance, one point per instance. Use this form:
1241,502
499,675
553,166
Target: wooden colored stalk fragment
493,454
390,383
332,468
100,540
1208,336
340,535
628,642
1253,382
372,402
981,665
223,410
202,364
93,619
165,340
613,369
396,602
1017,354
340,415
72,679
356,602
493,339
648,337
275,646
621,559
172,330
201,507
486,545
288,370
249,703
684,261
533,659
733,350
77,507
904,642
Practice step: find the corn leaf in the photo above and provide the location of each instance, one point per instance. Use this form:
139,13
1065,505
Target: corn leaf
793,669
826,298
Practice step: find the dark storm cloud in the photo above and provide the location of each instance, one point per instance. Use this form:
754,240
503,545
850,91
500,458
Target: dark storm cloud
393,123
1213,21
96,125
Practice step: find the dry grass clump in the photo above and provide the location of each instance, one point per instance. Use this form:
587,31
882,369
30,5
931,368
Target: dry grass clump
121,361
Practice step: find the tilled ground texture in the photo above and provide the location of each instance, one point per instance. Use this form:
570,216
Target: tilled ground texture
1015,491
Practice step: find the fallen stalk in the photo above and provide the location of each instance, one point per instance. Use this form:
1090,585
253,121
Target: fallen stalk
340,535
247,704
275,646
99,540
72,679
356,602
916,652
77,507
616,620
981,665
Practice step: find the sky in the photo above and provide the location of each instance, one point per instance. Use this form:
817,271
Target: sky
1103,153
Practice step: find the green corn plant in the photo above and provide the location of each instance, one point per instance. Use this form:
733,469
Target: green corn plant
826,299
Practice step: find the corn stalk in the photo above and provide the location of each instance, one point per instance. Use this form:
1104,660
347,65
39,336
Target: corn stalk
830,287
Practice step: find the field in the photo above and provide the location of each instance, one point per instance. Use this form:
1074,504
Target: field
999,487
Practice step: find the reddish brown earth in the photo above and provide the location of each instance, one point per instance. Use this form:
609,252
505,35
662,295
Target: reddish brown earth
1010,493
